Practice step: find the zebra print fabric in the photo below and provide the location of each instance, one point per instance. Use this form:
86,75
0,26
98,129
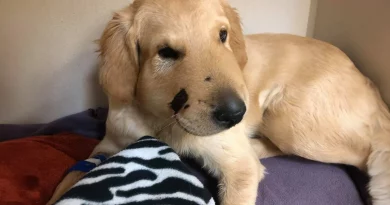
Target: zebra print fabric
146,172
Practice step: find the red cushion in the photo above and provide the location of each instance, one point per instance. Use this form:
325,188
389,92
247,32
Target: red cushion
30,168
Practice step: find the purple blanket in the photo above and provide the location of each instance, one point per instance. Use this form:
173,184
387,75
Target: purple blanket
290,180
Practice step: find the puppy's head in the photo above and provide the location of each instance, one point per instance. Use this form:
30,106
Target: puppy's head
178,58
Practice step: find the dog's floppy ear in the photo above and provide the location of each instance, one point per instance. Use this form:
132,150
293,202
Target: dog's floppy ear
118,55
237,42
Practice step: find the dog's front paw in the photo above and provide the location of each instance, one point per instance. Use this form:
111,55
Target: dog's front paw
71,179
241,183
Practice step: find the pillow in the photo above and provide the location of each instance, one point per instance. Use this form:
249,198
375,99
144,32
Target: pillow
30,168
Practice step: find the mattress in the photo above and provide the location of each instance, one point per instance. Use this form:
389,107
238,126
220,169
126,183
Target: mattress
290,180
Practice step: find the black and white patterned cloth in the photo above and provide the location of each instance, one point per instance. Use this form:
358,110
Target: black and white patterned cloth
147,172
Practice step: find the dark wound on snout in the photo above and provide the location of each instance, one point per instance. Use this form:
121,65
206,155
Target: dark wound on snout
179,101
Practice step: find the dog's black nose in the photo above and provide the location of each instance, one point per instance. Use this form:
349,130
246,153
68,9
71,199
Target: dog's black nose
230,110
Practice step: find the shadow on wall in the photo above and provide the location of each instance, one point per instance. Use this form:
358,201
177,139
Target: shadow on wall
48,64
361,29
76,83
58,90
94,90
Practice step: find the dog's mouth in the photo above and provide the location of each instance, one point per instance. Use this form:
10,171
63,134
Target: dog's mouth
197,126
184,127
191,128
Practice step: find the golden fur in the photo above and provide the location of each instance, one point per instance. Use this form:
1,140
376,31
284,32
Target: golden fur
303,96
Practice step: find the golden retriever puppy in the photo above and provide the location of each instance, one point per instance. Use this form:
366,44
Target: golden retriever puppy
184,72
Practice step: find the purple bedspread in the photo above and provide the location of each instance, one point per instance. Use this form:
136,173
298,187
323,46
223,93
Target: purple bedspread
289,180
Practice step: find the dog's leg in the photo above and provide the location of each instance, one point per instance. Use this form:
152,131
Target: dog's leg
230,158
341,130
378,166
67,182
378,163
264,148
106,147
125,125
239,178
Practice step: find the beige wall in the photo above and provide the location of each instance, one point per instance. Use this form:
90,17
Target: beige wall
361,28
278,16
47,59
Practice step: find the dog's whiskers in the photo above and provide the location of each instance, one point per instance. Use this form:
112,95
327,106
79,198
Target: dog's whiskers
167,123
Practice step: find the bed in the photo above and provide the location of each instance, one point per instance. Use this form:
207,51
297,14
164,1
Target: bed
25,149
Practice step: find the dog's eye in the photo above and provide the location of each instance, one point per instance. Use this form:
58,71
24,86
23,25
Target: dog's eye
168,52
223,35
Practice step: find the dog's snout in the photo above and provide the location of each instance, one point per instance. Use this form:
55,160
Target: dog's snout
230,110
